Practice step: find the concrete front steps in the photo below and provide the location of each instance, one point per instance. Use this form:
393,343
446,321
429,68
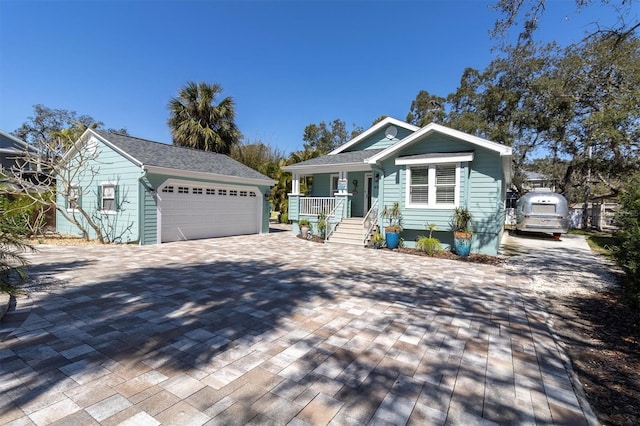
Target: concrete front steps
348,231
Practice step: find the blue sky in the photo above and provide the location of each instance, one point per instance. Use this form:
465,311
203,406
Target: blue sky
285,63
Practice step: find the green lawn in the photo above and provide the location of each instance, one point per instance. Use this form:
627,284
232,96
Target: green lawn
600,242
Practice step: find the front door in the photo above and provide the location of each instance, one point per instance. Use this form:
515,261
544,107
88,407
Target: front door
368,189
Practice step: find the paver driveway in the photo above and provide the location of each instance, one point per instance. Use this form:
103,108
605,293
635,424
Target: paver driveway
272,329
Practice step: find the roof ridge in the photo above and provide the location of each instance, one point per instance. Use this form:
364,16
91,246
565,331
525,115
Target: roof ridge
159,143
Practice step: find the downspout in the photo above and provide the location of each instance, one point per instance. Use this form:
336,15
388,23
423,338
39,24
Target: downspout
141,206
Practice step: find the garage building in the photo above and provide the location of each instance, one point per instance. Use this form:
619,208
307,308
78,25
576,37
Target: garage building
150,192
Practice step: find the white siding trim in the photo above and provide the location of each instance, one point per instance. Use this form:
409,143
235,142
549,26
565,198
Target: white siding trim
434,160
387,121
503,150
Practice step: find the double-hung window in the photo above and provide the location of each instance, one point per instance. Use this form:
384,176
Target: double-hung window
334,184
107,196
433,185
73,197
419,185
445,184
433,180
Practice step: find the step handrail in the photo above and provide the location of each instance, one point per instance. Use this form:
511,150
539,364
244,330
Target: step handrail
332,227
372,213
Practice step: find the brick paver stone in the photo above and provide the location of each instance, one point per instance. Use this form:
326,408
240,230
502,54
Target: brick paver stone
271,329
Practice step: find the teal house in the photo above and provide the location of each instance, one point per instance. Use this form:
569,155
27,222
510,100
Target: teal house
145,192
428,171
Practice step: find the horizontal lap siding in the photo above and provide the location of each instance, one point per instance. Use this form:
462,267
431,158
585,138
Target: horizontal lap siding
321,185
378,140
266,207
149,215
485,201
111,167
480,191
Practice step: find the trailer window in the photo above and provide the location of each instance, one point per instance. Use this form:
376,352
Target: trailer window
543,208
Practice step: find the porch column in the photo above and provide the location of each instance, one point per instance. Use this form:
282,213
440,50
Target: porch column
295,184
343,183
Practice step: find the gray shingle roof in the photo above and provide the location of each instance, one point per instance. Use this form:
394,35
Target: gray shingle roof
159,154
350,157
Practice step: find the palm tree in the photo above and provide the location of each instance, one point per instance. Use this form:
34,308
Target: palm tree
197,122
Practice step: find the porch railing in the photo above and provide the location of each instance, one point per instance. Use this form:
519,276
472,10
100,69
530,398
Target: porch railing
370,221
314,206
333,219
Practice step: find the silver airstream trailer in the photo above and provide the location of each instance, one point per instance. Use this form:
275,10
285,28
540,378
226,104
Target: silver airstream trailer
542,211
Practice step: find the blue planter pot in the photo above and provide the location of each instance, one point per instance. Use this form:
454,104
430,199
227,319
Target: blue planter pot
462,246
392,239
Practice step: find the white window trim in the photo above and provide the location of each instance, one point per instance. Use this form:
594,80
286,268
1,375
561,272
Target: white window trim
333,191
66,198
102,185
432,188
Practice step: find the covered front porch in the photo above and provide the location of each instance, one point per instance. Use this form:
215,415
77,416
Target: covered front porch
333,197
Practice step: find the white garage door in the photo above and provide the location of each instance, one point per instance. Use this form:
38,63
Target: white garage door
191,211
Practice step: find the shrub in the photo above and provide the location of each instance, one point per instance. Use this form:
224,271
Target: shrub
429,244
11,259
24,214
304,222
627,253
284,218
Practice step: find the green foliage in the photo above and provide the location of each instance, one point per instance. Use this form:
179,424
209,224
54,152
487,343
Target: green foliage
324,137
47,123
53,130
429,244
426,108
322,224
12,261
379,119
259,156
377,238
197,121
278,195
25,214
298,157
627,254
304,222
599,242
461,220
393,214
284,218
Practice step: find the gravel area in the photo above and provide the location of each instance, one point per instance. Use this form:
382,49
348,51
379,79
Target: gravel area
600,335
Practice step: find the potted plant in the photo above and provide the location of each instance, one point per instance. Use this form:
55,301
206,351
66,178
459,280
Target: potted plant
322,225
392,231
462,231
429,245
377,240
305,227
